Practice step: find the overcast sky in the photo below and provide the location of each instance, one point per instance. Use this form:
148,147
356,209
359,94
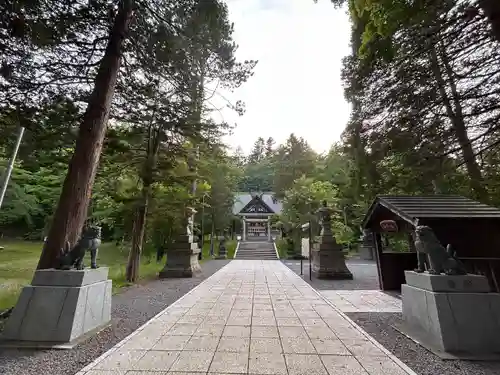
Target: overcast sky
296,86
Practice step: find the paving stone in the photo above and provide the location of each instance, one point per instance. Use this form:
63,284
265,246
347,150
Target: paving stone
204,343
263,313
267,364
263,321
235,363
264,331
342,365
348,332
300,364
292,332
236,331
191,319
215,320
140,343
363,348
239,320
296,345
240,313
209,330
307,314
156,361
183,329
265,345
381,366
320,333
291,322
285,313
121,359
313,322
189,361
171,342
330,346
234,344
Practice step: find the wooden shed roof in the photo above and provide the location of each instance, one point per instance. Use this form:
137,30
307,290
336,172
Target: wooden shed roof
411,208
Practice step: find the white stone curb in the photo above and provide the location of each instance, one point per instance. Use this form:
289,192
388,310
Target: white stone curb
236,251
276,249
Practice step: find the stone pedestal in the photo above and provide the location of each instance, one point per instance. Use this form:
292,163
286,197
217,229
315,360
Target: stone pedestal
182,259
59,308
367,246
328,260
452,314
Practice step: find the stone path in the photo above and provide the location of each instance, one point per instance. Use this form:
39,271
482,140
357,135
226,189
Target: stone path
363,300
251,317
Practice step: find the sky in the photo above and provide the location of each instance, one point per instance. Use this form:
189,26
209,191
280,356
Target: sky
296,87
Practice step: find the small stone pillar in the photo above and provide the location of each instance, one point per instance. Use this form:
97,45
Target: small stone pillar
182,256
222,248
244,234
269,229
328,258
367,246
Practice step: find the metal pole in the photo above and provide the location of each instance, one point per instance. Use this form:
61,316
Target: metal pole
202,224
10,167
310,250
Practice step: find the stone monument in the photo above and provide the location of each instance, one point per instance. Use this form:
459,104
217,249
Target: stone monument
448,311
182,257
328,258
62,306
367,246
222,248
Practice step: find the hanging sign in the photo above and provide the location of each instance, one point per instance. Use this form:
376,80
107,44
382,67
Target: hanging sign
389,226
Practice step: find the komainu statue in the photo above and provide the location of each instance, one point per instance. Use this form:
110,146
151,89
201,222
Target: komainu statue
90,240
438,259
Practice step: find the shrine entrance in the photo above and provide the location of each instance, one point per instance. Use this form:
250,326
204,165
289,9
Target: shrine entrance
256,216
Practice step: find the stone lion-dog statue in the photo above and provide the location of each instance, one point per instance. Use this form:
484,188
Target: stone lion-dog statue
431,252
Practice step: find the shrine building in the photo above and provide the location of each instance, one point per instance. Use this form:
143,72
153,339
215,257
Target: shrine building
255,211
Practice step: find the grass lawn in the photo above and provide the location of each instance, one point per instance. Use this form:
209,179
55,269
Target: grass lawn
18,261
281,245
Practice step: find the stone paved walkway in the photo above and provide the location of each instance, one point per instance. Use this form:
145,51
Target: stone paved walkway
363,300
251,317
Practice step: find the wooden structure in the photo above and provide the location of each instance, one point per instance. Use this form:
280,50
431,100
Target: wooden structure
472,229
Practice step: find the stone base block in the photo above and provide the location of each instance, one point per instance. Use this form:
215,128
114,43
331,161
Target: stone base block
330,265
449,284
60,314
366,253
459,323
181,263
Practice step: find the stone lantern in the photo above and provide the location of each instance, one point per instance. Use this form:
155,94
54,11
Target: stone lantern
182,257
328,257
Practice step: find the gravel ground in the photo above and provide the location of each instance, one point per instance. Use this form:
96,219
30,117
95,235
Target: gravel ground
364,273
130,309
419,359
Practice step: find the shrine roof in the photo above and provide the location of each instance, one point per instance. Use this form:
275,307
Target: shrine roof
242,199
411,208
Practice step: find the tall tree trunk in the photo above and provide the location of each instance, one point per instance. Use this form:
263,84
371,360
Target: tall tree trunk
134,259
73,203
491,9
454,112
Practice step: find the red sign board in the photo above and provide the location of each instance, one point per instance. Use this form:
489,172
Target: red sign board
389,226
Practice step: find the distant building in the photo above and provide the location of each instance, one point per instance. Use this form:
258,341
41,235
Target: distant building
256,210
